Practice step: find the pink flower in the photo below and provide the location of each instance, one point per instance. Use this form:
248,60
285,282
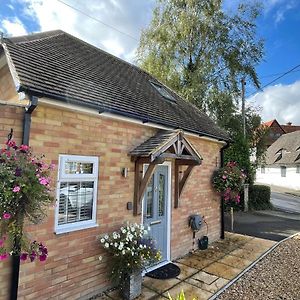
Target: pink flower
24,148
6,216
16,189
224,177
1,243
44,181
11,143
3,256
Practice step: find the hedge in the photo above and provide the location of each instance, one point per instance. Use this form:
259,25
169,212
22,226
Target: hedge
259,197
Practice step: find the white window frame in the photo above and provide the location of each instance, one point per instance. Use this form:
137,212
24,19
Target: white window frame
63,177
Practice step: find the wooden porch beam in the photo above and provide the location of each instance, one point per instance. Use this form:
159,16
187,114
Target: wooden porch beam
184,178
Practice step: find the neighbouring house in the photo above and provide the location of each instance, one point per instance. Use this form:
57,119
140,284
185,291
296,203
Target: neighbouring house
282,167
126,148
276,130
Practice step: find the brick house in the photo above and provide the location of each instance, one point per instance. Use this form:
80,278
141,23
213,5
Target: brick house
126,148
276,130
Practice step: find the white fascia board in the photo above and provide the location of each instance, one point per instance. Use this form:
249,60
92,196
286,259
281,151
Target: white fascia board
11,67
95,112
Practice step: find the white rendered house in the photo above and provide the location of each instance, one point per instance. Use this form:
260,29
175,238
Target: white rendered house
282,167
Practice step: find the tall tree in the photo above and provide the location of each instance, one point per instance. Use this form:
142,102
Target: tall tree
202,52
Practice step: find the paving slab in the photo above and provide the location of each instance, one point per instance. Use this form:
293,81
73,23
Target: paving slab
205,277
212,288
222,270
185,271
234,261
160,286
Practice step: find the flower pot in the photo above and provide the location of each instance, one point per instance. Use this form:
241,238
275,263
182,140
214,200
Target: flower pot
132,285
203,243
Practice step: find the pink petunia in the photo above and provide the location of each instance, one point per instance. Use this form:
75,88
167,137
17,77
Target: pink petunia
11,143
3,256
23,256
24,148
16,189
44,181
6,216
224,177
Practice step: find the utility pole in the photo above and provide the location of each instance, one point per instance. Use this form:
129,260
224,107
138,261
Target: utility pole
243,106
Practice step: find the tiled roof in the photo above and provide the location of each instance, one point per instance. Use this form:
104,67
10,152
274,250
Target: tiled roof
290,128
57,65
285,151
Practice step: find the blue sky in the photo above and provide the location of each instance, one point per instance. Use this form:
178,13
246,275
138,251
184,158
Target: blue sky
279,26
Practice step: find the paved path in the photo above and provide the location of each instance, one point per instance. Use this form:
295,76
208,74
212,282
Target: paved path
285,202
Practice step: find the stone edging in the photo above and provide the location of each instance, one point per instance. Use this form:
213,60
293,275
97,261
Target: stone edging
218,293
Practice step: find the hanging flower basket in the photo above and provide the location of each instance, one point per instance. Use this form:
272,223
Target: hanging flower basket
24,195
228,181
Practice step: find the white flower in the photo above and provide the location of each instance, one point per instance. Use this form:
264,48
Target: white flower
132,253
106,245
106,237
100,258
145,231
132,229
123,230
123,252
102,240
116,245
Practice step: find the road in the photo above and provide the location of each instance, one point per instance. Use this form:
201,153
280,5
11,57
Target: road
269,224
285,202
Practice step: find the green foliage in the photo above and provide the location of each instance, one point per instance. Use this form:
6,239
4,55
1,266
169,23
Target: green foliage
24,195
202,52
131,250
259,197
181,296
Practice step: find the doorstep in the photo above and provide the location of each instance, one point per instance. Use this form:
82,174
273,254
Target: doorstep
204,272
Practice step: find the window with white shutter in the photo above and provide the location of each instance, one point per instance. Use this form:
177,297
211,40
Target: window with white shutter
76,193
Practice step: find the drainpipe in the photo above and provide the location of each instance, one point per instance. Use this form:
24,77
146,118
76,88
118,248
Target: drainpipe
222,206
14,284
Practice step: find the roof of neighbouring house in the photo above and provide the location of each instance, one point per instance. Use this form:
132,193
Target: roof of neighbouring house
285,151
59,66
290,128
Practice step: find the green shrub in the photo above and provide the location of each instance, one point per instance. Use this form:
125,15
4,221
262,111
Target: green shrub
259,197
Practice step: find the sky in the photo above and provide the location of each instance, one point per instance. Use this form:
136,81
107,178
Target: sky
116,25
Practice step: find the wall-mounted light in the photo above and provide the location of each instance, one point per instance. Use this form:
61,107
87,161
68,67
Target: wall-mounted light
124,172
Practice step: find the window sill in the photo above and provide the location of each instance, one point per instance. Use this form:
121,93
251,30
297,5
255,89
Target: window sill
73,228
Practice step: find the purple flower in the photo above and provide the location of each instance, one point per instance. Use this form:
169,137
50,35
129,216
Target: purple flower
43,257
32,256
23,256
18,172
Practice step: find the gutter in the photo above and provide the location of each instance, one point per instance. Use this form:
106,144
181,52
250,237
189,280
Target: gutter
103,108
222,206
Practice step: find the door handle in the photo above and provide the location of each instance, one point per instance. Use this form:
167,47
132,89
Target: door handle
155,222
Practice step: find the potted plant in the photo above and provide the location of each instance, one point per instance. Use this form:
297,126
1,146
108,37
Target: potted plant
228,181
24,194
131,250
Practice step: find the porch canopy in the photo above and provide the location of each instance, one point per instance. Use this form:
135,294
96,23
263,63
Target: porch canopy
165,145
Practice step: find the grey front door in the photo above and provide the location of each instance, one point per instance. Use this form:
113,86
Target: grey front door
155,209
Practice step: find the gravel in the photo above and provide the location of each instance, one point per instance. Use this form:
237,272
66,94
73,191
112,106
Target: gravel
276,276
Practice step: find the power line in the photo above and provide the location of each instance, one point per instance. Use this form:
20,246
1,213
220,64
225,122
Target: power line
277,74
274,80
97,20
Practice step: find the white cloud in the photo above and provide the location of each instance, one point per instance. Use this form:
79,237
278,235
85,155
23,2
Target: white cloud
13,27
280,102
125,16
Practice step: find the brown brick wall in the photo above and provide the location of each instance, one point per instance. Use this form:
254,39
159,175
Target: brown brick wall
73,270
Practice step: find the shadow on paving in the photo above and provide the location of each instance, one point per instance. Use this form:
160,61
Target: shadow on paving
272,225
